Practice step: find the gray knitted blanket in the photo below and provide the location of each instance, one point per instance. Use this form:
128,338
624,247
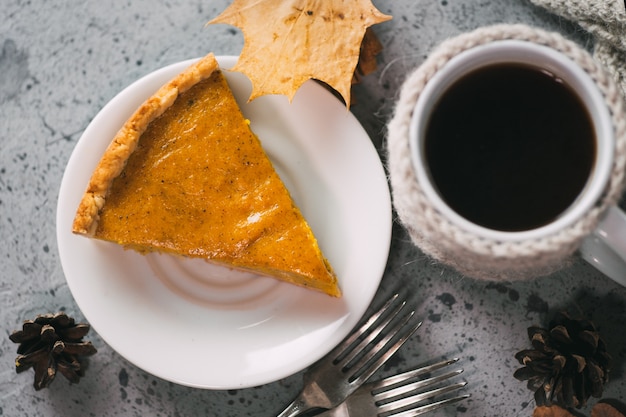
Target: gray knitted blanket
606,20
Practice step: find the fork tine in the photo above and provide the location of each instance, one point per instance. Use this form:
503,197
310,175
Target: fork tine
359,343
367,340
365,368
345,347
391,381
414,399
429,407
406,388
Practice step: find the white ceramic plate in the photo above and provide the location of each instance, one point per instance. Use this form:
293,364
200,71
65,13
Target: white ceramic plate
204,326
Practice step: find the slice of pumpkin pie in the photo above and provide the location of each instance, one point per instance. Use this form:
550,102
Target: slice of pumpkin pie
185,175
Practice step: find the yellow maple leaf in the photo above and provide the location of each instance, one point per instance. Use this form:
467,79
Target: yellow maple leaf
287,42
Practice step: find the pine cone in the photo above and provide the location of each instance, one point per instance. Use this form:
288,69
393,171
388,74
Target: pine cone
567,364
51,343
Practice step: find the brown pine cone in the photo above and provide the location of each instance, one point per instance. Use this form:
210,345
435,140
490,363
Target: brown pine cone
568,363
52,343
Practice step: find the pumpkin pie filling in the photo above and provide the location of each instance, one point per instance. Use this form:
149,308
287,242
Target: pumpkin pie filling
195,181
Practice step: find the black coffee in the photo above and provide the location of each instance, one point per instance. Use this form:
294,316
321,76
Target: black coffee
510,147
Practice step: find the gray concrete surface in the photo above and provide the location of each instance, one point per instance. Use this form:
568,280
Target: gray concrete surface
61,61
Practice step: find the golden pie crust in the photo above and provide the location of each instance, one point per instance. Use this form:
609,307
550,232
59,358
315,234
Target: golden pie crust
186,175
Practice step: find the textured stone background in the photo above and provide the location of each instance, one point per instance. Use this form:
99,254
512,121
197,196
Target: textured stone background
61,61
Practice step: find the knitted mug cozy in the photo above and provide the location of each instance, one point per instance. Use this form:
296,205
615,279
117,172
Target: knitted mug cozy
437,236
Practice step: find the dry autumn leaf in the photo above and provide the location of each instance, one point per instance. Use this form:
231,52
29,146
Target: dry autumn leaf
598,410
551,411
605,410
370,47
287,42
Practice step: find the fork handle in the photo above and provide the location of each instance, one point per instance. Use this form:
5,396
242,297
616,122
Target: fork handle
297,407
340,411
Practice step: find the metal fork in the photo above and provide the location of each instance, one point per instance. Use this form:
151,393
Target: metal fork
400,395
329,381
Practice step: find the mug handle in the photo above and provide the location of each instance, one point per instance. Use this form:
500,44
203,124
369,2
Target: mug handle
605,249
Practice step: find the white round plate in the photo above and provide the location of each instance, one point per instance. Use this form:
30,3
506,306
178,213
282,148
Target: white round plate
199,325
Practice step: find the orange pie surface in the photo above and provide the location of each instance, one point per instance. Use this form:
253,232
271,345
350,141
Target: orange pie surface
187,176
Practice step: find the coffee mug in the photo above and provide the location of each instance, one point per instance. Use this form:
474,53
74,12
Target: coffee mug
517,149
